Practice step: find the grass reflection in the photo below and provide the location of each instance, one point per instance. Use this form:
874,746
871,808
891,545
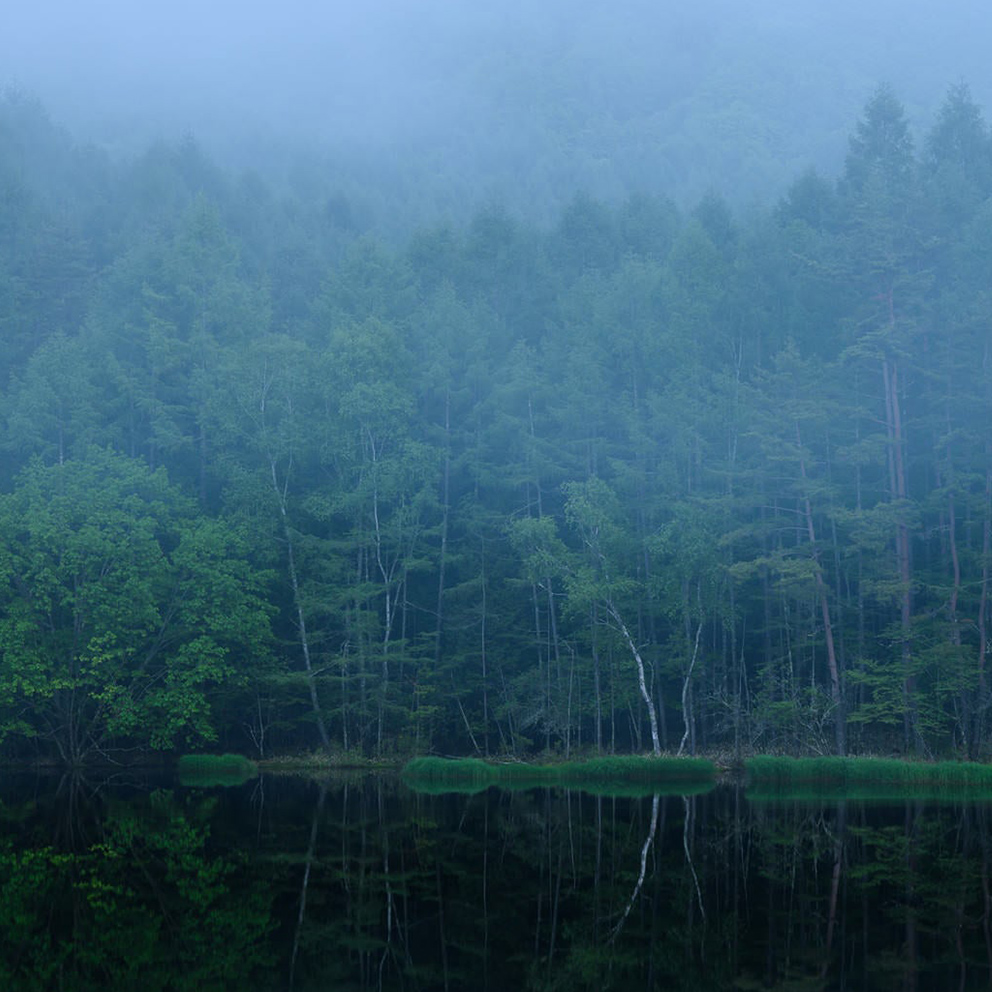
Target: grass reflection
632,776
779,778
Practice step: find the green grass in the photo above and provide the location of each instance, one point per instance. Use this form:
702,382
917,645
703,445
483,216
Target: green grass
615,776
215,769
317,763
770,777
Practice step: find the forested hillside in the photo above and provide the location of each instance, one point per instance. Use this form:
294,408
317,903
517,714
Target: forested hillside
643,477
421,109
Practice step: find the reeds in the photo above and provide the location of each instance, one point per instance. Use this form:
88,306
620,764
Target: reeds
771,777
626,775
215,769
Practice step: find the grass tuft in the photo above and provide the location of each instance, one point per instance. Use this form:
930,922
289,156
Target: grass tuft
771,777
215,769
619,776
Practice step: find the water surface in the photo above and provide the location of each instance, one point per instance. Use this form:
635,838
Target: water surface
359,883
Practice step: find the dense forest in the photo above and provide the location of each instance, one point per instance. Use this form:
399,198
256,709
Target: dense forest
645,477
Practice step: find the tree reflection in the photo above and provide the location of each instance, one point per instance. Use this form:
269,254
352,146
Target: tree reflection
357,883
128,895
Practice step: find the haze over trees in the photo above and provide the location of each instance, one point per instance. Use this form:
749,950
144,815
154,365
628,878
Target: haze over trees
402,111
616,473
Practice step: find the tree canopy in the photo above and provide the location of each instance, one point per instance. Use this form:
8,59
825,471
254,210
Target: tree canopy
641,477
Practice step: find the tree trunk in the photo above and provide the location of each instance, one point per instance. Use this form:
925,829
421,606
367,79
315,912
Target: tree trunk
686,715
983,605
821,590
298,603
890,374
443,554
642,682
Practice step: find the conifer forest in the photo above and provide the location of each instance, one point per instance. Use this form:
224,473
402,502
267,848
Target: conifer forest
705,477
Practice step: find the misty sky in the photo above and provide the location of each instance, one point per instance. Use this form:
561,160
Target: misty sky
497,77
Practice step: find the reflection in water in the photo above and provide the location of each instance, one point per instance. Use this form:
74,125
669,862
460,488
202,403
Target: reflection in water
648,844
360,884
311,851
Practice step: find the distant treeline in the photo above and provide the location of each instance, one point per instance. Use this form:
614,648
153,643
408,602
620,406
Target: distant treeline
647,477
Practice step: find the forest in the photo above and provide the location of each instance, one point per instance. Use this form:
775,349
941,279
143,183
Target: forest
648,476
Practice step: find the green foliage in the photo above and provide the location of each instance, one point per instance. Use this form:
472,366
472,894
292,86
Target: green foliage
472,482
121,607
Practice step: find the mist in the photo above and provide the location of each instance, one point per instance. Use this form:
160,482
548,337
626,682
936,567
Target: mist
532,380
515,101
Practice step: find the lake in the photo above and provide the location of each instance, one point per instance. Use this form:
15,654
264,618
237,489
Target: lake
359,883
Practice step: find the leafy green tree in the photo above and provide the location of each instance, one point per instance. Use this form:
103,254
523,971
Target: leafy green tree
382,498
792,408
121,608
266,413
166,311
884,251
593,510
957,160
53,408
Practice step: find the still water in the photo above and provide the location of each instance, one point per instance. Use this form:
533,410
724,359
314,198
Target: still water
359,883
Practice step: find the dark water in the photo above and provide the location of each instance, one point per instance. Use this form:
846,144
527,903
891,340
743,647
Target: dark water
362,884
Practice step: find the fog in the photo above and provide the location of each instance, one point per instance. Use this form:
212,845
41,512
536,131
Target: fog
513,99
438,368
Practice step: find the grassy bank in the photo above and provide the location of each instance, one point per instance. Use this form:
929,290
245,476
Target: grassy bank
318,763
770,777
215,769
629,775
